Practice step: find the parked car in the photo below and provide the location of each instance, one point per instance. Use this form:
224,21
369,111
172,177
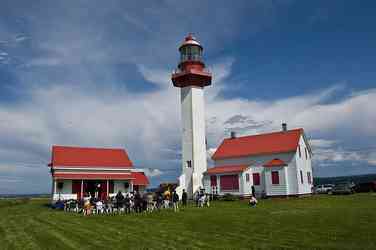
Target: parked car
324,189
344,188
366,187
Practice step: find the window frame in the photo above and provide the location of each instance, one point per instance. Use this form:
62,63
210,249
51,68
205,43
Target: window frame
256,176
275,177
300,153
301,177
309,177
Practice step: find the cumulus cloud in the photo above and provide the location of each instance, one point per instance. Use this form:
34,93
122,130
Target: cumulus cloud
146,124
68,102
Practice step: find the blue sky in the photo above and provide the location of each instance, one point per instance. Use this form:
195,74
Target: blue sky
96,73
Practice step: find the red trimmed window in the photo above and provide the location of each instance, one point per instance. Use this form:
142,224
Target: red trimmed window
256,179
309,177
301,176
230,182
213,181
247,177
275,177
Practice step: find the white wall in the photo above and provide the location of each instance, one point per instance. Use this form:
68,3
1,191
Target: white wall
257,163
305,165
119,186
193,141
276,189
259,189
255,160
246,187
64,193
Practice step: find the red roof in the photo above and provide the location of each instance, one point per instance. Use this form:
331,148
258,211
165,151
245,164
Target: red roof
138,178
89,157
227,169
93,176
271,143
275,163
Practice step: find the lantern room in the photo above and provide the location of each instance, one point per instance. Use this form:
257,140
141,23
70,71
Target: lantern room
190,50
191,68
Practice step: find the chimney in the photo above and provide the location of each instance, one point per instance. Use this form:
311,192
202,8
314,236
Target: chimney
284,127
233,134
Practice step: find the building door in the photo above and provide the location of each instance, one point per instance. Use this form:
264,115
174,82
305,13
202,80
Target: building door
230,183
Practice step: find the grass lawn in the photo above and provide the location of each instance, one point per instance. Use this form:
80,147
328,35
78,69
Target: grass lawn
318,222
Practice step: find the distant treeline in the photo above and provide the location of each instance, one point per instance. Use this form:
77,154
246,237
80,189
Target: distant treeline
24,195
355,178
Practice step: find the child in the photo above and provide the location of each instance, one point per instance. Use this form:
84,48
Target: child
253,201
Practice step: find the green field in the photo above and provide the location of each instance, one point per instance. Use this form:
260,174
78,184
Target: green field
318,222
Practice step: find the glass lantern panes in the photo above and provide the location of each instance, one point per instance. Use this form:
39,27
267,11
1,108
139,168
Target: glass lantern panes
190,53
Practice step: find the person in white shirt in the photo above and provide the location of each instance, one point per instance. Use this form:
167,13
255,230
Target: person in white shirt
253,201
99,206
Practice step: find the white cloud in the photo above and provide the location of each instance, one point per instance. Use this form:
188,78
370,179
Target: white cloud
146,124
152,172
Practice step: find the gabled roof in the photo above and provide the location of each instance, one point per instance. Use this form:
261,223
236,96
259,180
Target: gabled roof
226,169
262,144
63,156
275,163
139,178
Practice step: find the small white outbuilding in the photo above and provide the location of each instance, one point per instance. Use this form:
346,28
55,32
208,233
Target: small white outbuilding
276,164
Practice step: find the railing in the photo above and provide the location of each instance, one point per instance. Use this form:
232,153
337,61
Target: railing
178,71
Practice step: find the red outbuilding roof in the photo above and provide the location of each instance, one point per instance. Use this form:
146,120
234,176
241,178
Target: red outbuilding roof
270,143
227,169
92,176
138,178
275,163
63,156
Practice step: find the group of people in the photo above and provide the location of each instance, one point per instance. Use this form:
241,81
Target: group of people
132,202
201,199
137,202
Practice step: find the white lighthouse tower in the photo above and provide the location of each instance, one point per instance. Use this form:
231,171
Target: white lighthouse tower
191,77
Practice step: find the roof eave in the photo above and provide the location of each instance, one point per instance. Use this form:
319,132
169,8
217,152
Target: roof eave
246,155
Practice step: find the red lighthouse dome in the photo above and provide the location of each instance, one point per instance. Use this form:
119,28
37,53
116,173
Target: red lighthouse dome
191,68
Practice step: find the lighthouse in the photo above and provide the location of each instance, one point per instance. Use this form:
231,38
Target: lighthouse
192,77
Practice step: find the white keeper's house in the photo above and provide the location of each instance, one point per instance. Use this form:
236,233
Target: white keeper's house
276,164
77,172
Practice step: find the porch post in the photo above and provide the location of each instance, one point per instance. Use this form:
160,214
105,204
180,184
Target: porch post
52,189
82,189
107,189
55,186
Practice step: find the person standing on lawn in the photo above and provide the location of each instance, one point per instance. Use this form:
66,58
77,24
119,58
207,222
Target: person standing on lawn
175,201
253,191
184,198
